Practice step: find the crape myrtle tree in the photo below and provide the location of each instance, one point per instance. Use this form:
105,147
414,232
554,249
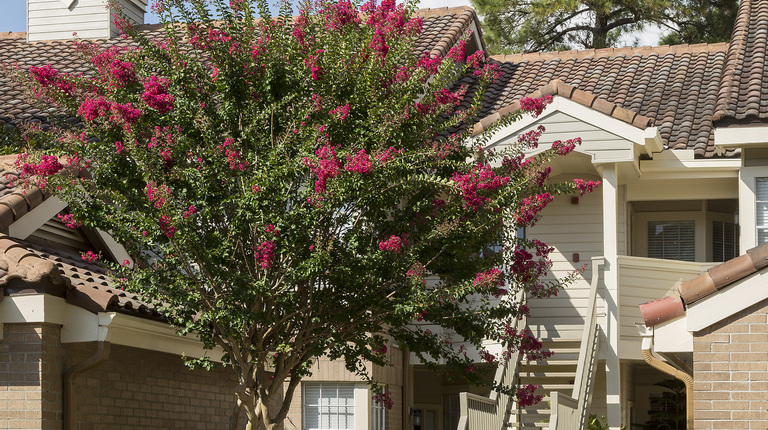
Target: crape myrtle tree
292,188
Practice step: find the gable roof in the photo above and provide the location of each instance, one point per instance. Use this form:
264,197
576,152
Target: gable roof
675,87
743,92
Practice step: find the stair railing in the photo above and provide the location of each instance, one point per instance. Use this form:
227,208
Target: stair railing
570,412
492,412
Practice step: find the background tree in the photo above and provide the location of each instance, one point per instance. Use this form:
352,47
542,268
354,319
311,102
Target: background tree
290,188
552,25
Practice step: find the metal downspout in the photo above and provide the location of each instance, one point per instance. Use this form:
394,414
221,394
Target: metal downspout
69,398
676,373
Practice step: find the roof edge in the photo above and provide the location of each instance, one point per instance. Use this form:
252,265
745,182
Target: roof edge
612,52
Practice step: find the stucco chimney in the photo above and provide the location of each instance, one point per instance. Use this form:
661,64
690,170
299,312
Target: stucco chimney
90,19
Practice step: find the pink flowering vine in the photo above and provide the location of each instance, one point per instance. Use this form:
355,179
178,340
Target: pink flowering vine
535,106
384,399
585,186
68,220
360,162
156,95
89,257
480,178
264,253
326,167
530,208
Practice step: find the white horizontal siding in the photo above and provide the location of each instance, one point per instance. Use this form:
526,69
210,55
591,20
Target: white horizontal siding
50,19
569,229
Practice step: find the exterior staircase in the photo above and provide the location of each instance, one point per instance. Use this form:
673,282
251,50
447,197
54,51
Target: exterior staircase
565,380
558,373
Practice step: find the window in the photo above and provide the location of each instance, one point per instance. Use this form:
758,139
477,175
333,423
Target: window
672,240
329,406
378,416
725,240
761,203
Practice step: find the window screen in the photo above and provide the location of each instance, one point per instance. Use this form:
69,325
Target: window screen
329,406
672,240
761,203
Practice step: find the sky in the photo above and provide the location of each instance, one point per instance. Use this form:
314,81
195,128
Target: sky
13,18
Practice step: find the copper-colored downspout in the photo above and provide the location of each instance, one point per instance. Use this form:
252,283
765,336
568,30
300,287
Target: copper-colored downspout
676,373
69,398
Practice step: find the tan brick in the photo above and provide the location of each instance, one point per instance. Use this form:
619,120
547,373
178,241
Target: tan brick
749,356
712,395
747,395
730,424
712,356
730,386
752,337
713,415
754,366
713,376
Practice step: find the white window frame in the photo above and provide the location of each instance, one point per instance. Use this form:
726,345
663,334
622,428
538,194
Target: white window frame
640,222
761,227
361,399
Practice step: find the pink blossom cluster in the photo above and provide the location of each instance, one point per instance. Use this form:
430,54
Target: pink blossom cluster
524,268
89,257
565,148
340,14
530,208
489,72
359,163
166,226
112,69
389,18
49,165
387,155
340,112
48,77
541,176
476,60
156,95
233,155
264,253
526,395
481,177
487,356
69,220
95,108
157,194
204,40
530,139
190,211
535,106
429,63
327,166
378,44
585,186
384,399
394,244
491,280
457,52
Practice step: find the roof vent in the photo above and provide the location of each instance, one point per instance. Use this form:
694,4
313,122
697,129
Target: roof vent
90,19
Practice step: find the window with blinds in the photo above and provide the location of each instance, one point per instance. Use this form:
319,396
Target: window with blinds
725,240
761,204
672,240
378,416
328,406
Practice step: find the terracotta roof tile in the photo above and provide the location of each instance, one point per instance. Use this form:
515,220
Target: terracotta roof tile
716,278
743,92
673,87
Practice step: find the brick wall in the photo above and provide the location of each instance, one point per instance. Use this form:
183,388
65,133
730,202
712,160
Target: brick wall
141,389
731,372
31,360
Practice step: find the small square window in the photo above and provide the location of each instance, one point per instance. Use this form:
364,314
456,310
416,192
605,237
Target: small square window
672,240
328,406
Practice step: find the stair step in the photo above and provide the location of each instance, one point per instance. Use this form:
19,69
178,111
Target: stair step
550,362
536,375
555,386
559,339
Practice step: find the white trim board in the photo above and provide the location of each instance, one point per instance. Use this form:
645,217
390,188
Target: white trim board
728,301
730,137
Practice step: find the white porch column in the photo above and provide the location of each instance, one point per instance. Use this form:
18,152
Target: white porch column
611,277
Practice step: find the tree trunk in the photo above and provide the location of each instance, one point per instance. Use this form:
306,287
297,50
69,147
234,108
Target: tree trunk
599,33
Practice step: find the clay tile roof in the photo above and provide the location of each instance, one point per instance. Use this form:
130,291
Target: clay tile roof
715,279
24,272
557,87
91,287
743,92
442,28
674,87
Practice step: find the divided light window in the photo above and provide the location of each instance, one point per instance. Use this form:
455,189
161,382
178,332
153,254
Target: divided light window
672,240
328,406
725,241
761,202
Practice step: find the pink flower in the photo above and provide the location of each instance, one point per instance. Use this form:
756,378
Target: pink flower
457,52
89,257
585,186
69,220
119,147
166,227
480,178
384,399
530,208
340,112
526,397
189,212
326,167
565,148
360,162
476,60
535,106
264,253
394,244
156,95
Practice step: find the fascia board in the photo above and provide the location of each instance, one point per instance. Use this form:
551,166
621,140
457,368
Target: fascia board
31,221
152,335
35,308
730,137
727,302
673,336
